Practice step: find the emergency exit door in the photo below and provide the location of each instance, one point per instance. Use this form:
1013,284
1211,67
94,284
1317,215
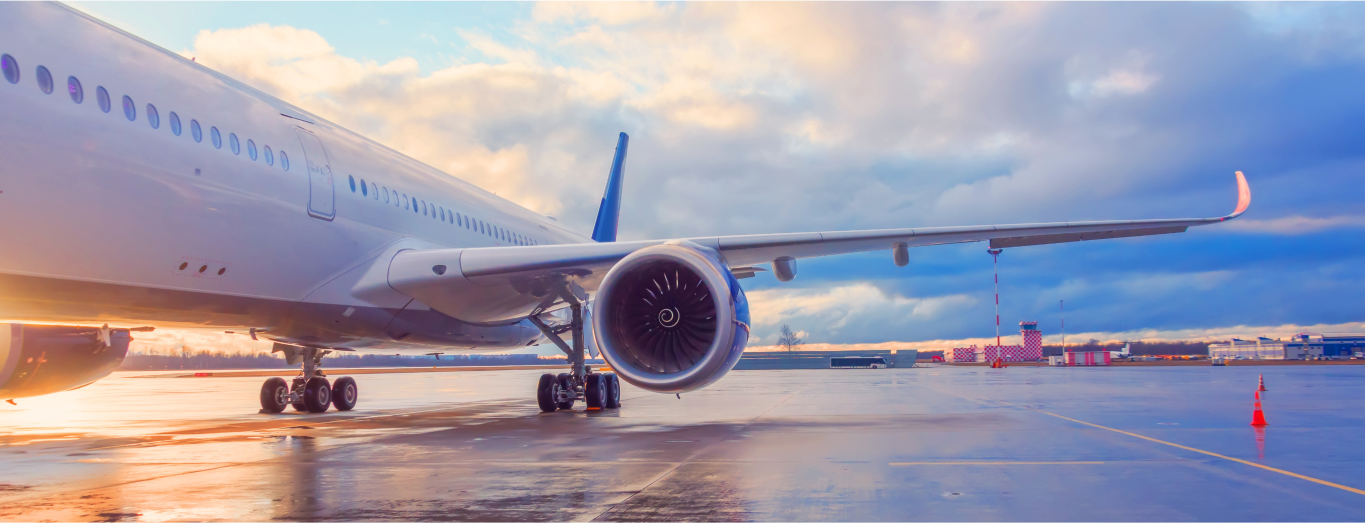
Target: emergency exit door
321,196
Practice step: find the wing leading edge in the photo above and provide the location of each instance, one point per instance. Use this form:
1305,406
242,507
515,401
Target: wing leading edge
500,274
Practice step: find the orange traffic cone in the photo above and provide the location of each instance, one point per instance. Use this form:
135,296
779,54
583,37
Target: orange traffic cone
1258,417
1262,387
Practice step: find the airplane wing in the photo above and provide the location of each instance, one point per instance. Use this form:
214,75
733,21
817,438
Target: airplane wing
500,283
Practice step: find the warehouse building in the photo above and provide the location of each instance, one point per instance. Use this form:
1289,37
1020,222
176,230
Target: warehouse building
1298,347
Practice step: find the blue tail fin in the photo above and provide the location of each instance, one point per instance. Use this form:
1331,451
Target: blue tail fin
607,215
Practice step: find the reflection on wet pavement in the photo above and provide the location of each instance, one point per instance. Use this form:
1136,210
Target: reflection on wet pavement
940,443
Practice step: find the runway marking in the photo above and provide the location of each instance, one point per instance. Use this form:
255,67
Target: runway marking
994,463
1205,452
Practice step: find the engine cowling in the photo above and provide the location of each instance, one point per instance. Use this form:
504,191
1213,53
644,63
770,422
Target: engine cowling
43,359
671,318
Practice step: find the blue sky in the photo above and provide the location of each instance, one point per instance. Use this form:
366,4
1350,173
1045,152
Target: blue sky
750,118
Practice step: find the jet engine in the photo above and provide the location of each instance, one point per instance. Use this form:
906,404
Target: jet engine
42,359
671,318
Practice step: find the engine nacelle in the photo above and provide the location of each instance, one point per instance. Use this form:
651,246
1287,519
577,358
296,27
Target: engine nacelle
43,359
671,318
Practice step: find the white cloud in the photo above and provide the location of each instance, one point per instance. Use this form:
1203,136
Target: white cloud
1295,224
834,307
1116,82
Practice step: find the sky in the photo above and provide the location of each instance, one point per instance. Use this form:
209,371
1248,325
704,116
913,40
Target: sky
775,117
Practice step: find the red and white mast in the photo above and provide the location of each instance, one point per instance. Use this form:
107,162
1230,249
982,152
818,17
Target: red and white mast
995,261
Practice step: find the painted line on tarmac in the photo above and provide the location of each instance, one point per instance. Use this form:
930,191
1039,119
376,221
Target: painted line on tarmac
994,463
1207,453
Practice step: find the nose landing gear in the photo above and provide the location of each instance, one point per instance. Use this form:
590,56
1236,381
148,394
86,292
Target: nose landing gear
310,391
598,390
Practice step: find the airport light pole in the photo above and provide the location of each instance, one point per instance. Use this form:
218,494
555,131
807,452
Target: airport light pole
995,261
1062,304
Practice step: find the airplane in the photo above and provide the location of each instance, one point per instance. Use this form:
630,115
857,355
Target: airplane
142,190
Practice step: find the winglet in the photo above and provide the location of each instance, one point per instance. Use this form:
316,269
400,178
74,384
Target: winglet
1243,197
608,214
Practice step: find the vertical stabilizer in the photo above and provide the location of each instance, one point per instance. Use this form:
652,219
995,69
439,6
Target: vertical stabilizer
608,215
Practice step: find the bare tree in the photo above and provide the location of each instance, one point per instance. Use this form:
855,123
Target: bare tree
789,340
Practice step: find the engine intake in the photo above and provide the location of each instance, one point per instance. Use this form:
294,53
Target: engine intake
671,318
43,359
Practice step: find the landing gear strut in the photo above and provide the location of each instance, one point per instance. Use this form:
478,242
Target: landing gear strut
598,390
310,390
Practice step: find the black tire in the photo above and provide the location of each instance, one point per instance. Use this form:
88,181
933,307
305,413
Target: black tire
317,395
613,400
595,391
566,383
274,395
345,394
546,391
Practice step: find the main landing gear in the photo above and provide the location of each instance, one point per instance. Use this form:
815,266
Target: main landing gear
310,391
559,392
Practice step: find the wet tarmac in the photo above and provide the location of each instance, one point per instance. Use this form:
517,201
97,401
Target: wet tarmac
937,443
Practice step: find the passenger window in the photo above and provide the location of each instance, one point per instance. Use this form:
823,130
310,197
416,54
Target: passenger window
232,142
153,117
269,156
129,108
424,207
385,190
175,123
251,149
195,131
352,182
216,137
44,80
284,160
103,97
11,68
73,87
405,201
364,189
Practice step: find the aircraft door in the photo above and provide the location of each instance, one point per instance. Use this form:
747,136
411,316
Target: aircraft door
321,199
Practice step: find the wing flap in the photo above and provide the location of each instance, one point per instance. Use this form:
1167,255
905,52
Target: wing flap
1045,239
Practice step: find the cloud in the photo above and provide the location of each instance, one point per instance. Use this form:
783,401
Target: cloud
837,307
1116,82
1296,224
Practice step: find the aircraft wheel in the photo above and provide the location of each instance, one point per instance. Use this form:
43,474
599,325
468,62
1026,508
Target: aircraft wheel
317,395
546,391
595,391
613,400
274,395
345,394
566,383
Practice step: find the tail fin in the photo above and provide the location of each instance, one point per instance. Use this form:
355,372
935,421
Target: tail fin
607,215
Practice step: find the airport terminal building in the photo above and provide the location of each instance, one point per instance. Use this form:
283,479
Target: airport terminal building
1299,347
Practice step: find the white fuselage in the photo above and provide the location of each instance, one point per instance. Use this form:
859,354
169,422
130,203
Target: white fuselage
110,220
